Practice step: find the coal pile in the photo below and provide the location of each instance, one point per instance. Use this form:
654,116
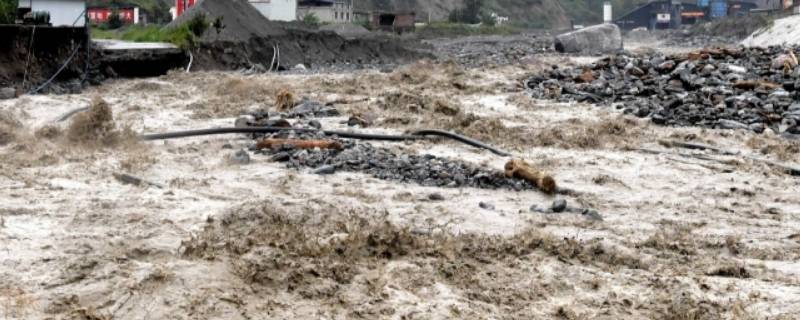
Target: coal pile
384,164
745,88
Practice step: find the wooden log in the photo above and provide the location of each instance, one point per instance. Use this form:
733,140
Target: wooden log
299,144
518,168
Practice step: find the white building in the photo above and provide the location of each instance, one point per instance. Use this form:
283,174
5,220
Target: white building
277,10
328,11
62,12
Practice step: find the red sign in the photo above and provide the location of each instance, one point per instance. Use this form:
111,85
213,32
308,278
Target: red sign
183,5
100,15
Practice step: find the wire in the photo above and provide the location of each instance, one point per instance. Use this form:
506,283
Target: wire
46,83
28,59
416,135
460,138
63,66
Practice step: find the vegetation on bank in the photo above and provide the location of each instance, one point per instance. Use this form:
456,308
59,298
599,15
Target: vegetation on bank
8,11
184,36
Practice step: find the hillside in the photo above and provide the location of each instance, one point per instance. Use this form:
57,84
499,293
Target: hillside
533,13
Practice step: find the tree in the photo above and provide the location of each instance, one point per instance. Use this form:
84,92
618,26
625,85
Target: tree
470,13
488,19
8,11
114,20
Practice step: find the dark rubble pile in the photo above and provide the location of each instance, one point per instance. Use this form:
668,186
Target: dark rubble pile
384,164
751,88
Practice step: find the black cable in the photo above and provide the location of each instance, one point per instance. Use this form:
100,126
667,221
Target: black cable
214,131
416,135
460,138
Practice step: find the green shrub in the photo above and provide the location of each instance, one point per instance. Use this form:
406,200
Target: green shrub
311,19
115,20
8,11
198,24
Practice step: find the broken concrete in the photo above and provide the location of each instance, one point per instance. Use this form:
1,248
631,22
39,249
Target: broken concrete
603,38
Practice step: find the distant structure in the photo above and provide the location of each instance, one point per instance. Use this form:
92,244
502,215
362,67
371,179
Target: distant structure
665,14
328,11
388,15
129,14
63,13
277,10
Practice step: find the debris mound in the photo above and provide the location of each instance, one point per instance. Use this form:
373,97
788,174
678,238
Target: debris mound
781,32
242,21
747,88
385,164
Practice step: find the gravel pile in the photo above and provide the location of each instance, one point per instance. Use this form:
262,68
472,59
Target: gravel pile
384,164
500,50
746,88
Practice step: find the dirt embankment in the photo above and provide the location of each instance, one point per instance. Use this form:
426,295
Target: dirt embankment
249,40
26,63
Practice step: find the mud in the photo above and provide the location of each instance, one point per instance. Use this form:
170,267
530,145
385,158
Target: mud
681,237
26,64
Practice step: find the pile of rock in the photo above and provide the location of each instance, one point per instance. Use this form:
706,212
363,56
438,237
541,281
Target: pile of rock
753,88
385,164
498,50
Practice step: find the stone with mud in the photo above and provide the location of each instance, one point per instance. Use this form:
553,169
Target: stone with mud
604,38
8,93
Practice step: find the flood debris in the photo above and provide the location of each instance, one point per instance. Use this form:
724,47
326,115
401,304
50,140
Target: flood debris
125,178
518,168
298,144
723,87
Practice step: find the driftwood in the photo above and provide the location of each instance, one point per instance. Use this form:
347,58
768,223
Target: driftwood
755,84
520,169
299,144
788,168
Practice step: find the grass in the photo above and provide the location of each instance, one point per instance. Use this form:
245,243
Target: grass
180,36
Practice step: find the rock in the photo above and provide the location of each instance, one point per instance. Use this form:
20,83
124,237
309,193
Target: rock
227,146
241,157
435,197
731,125
8,93
757,127
281,157
603,38
315,124
592,214
559,205
486,205
735,68
326,169
300,67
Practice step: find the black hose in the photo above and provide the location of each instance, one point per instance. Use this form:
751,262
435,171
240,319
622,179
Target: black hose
460,138
71,113
214,131
416,135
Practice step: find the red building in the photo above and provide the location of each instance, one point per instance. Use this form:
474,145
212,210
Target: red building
98,15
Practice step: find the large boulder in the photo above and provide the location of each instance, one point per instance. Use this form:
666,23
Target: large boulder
602,38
